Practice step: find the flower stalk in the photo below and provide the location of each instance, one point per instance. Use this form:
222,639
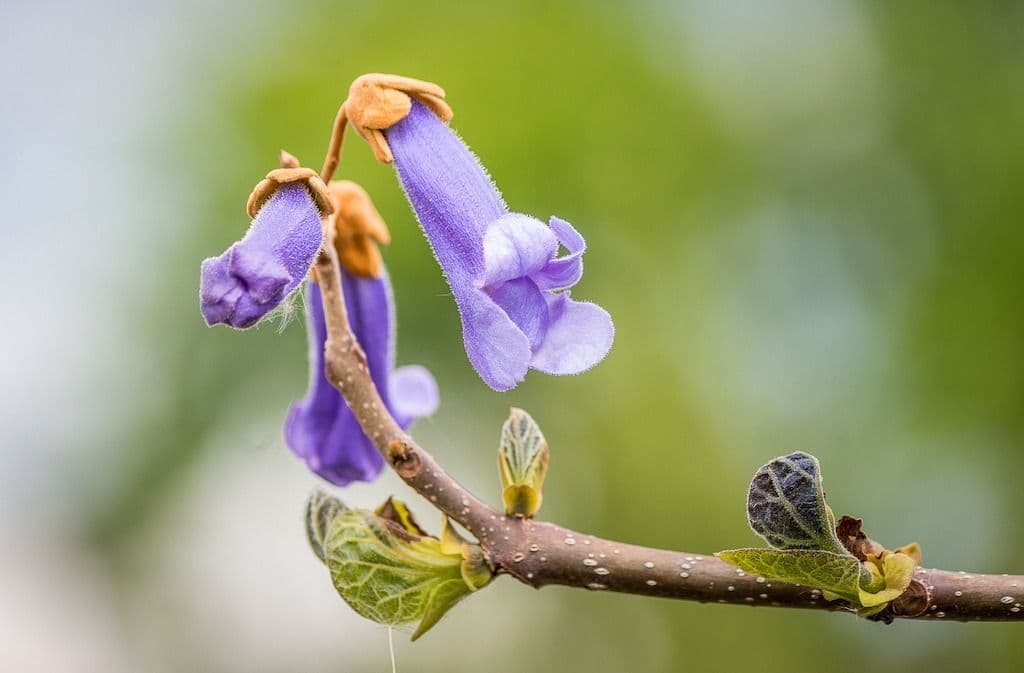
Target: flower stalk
376,102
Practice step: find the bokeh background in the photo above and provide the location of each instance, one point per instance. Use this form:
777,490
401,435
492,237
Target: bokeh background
804,217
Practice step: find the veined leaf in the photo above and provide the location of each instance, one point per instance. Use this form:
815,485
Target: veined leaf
320,510
786,505
387,578
386,569
522,463
836,573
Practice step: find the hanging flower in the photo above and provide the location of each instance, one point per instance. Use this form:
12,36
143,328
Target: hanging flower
320,428
509,283
256,274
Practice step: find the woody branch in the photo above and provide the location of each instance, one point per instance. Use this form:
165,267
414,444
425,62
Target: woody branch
540,553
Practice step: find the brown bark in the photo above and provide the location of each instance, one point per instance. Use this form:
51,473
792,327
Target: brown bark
538,553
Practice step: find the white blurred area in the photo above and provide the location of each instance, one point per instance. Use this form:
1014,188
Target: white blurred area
86,87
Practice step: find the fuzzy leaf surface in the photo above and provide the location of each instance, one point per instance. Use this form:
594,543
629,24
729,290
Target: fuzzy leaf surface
523,457
786,505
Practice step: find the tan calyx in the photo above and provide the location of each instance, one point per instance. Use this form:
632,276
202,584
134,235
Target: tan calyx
280,176
377,102
357,229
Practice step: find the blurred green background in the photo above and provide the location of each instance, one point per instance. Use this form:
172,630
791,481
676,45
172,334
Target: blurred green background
805,219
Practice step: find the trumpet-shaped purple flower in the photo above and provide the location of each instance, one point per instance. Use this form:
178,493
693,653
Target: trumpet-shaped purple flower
321,429
255,274
503,267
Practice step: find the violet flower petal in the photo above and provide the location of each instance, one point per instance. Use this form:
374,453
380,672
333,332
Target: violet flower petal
579,335
371,315
497,348
501,267
320,428
516,246
413,392
563,272
265,276
523,302
254,275
450,191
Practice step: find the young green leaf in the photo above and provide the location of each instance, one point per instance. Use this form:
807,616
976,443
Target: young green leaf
320,510
786,505
835,573
387,570
522,463
888,583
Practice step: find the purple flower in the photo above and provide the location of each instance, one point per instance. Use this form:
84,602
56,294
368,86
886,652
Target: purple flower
255,274
503,267
321,429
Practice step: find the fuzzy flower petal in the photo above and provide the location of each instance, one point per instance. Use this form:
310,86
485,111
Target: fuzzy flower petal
516,246
413,393
523,302
452,195
497,348
320,428
502,267
579,336
563,272
254,275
